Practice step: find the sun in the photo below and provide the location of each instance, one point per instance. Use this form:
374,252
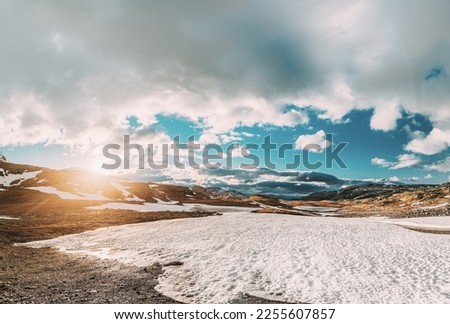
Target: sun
94,164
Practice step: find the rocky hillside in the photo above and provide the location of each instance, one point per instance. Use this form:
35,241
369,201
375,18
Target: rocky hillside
87,185
27,183
409,200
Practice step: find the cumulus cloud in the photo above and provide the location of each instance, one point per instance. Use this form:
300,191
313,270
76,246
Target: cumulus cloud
437,141
406,161
28,119
385,116
441,166
428,176
403,161
381,162
315,142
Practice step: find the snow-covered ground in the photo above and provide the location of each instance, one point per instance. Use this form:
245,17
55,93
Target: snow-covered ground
123,190
69,195
433,207
426,223
317,209
146,207
323,211
293,258
170,206
8,217
10,179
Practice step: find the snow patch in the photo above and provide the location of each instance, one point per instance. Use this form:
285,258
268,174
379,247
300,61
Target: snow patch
121,188
8,217
433,207
426,223
170,206
322,211
125,193
69,195
318,209
146,207
298,259
8,178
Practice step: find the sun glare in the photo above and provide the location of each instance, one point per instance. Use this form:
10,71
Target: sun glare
94,164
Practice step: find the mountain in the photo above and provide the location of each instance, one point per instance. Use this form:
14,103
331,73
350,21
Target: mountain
25,183
320,177
291,186
392,200
381,191
80,184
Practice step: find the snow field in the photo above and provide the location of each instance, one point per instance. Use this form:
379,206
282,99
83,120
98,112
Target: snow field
291,258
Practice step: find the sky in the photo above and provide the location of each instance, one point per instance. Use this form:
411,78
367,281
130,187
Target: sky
76,76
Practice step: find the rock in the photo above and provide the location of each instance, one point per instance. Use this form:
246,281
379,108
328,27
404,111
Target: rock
173,264
3,286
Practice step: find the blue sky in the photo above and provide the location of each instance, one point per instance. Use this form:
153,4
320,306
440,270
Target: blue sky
364,144
225,73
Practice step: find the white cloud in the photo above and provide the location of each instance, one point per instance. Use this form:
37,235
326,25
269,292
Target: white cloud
394,179
428,176
385,116
315,141
403,161
208,138
28,119
381,162
223,65
247,134
230,137
441,166
406,161
335,101
437,141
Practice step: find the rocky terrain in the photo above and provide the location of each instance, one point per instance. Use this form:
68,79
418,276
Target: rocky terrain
87,185
388,200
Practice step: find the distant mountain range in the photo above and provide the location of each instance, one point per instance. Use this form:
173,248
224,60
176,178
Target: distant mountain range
288,185
82,184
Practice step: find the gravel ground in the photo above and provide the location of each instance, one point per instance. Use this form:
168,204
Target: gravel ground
48,276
